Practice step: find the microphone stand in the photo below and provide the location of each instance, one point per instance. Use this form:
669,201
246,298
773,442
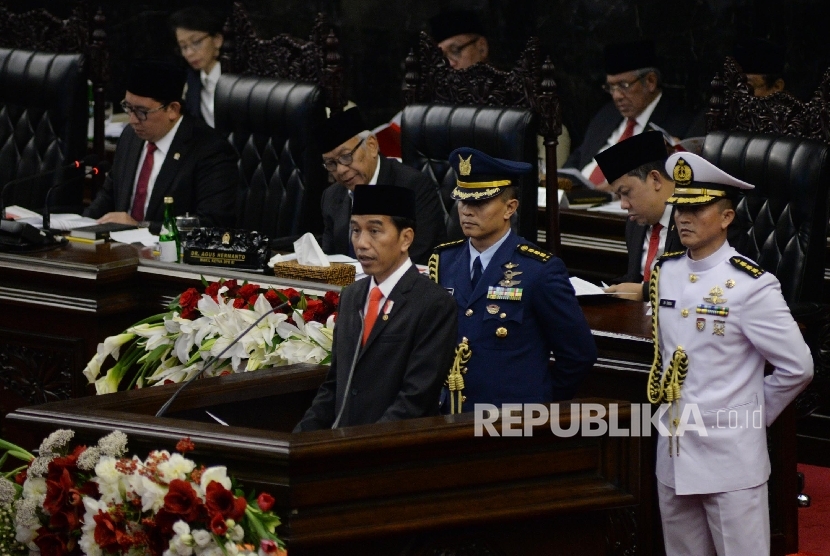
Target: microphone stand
96,169
213,360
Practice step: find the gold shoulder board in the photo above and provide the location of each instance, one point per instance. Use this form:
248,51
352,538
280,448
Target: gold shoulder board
534,252
747,266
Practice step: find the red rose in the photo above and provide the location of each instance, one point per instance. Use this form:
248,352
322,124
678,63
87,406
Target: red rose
189,299
50,544
248,290
232,286
332,299
221,501
239,303
272,298
290,292
252,300
314,310
265,501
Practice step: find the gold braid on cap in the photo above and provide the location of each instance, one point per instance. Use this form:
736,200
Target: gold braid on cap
665,388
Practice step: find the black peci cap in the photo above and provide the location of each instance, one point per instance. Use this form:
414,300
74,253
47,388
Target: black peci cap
388,200
628,155
162,80
630,56
339,128
455,22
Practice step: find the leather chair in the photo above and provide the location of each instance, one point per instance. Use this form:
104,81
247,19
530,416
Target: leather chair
785,216
43,126
272,123
430,132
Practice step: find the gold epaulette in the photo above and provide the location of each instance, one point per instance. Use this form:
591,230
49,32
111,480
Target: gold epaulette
747,266
672,255
534,252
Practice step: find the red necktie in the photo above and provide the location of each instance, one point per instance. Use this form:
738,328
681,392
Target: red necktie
653,244
372,312
596,176
141,186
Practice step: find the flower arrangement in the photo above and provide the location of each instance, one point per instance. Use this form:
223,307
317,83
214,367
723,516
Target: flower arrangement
96,501
174,346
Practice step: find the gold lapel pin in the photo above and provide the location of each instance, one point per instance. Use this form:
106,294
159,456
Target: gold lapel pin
176,156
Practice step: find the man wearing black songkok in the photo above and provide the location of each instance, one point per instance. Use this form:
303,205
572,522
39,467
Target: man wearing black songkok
164,153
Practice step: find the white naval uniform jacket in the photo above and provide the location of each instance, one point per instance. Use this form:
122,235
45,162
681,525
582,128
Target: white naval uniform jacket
726,372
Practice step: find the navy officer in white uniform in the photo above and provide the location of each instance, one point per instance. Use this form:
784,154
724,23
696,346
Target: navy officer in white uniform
717,318
515,302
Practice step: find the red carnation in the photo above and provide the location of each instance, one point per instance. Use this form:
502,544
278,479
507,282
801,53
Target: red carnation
232,286
265,501
213,290
220,500
248,290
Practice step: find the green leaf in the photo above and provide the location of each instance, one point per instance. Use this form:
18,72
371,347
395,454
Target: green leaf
205,283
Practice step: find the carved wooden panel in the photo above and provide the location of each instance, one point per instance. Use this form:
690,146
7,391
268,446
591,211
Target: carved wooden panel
37,368
40,30
316,60
621,533
733,107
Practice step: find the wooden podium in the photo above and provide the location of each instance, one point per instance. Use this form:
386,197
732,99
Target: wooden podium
417,487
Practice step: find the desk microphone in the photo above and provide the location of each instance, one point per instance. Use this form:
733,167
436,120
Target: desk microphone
88,160
290,303
97,168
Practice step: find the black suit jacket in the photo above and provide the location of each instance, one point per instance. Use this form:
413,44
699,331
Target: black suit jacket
193,96
431,230
399,372
669,115
202,179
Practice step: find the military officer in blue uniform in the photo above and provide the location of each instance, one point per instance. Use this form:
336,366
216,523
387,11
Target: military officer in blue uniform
516,306
717,318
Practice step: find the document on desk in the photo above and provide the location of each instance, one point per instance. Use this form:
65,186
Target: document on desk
583,287
613,207
60,221
139,235
542,198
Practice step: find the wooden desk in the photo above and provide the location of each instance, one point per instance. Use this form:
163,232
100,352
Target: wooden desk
56,306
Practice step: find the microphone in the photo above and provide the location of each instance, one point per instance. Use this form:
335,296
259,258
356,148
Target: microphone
291,302
88,160
97,168
351,371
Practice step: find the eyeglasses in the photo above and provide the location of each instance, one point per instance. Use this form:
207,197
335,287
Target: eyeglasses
622,87
455,52
345,159
192,45
140,113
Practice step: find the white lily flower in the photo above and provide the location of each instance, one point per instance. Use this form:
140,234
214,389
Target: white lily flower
112,345
93,368
317,333
107,384
148,330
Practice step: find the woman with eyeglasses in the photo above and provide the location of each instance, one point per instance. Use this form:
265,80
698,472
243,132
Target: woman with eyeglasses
198,33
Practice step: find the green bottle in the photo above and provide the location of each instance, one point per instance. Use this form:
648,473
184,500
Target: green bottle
170,250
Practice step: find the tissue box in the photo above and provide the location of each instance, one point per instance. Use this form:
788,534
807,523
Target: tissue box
339,274
223,247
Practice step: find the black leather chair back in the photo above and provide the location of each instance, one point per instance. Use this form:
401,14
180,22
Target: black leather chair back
44,112
785,216
272,123
430,132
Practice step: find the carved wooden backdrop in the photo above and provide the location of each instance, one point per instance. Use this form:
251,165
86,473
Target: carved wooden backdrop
316,60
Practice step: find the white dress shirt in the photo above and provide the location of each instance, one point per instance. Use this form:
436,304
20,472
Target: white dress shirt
162,148
387,285
665,221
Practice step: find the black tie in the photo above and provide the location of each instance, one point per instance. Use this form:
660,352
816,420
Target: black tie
476,271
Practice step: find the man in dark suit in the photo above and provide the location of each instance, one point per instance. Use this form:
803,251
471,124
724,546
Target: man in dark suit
391,364
166,154
634,84
515,303
352,158
635,169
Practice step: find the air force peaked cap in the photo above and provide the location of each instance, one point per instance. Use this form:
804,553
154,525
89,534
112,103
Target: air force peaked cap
626,156
389,200
698,182
480,176
339,128
157,79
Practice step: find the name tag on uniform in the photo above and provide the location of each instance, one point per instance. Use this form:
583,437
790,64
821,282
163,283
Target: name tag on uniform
499,292
667,303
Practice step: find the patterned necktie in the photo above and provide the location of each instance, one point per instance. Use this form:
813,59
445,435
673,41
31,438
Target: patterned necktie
596,175
372,312
141,186
476,272
653,244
